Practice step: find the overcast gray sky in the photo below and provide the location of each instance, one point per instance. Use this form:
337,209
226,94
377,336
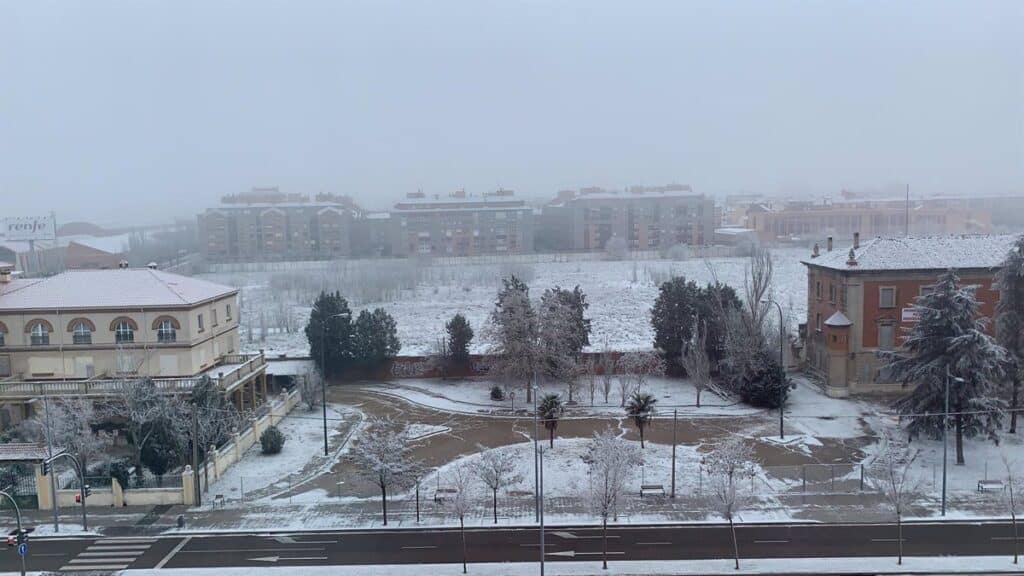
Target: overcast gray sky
148,109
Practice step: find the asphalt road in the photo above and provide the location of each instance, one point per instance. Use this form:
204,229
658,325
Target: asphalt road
404,546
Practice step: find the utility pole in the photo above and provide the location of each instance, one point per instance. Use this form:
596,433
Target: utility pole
49,454
540,455
945,429
536,460
323,376
196,485
675,415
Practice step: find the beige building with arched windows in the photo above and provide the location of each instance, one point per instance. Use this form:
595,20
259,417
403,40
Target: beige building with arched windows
81,330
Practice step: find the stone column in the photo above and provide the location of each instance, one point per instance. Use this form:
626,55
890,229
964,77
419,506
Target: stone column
43,488
188,487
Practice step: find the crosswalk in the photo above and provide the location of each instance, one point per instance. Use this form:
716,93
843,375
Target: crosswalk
109,554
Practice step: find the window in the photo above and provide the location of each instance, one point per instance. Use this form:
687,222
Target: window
926,290
887,297
817,321
886,336
40,335
213,316
227,314
817,289
3,338
201,323
124,333
832,293
81,334
166,332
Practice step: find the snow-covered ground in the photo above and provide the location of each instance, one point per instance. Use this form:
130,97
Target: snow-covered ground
620,294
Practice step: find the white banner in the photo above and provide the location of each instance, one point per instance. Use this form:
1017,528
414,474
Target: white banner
910,315
28,228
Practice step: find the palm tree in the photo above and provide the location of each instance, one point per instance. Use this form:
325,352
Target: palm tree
549,411
641,409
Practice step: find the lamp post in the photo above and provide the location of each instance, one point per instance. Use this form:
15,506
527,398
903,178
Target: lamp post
536,458
945,428
782,366
17,516
323,369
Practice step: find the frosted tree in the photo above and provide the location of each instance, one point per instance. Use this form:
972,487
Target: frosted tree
608,375
560,344
626,388
726,464
69,426
148,414
892,476
695,362
611,464
460,503
641,366
1012,500
1010,319
757,284
733,459
497,470
589,374
384,456
512,331
216,417
310,386
949,340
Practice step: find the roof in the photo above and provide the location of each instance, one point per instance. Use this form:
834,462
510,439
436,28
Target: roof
291,367
734,231
116,244
23,452
120,288
838,319
629,196
920,253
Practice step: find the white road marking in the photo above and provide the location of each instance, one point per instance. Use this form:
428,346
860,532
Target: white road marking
101,560
771,541
887,539
418,547
171,554
1021,538
655,543
573,553
113,548
94,567
245,550
113,553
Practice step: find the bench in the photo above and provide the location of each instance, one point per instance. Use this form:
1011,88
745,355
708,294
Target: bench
443,494
218,501
651,490
990,486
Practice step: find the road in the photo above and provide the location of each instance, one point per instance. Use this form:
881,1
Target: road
404,546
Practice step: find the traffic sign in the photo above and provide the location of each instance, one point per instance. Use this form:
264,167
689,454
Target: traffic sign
22,548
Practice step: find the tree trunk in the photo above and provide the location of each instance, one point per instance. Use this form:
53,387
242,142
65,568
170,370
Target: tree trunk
1014,399
529,393
641,427
604,543
384,503
899,538
735,546
462,529
1016,541
959,436
698,397
495,492
551,436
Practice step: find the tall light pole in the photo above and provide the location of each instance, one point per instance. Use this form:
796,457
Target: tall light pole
536,459
782,366
323,369
540,456
945,428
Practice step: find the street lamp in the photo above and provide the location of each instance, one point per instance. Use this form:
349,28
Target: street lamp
536,458
782,365
323,368
945,429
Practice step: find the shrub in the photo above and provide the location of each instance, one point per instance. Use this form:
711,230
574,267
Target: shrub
272,440
765,385
120,469
497,393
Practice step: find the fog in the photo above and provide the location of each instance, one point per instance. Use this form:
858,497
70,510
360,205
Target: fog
147,110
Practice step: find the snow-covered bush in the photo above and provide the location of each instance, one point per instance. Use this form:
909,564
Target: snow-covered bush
765,384
272,440
497,393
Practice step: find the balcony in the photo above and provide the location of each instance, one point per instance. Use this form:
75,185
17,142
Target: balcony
230,373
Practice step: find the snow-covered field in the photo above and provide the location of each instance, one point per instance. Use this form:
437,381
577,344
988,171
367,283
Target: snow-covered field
422,299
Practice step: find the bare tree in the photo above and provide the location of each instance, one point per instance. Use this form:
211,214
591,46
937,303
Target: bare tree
145,411
611,463
1012,500
626,388
384,457
460,502
639,366
310,387
728,500
891,475
726,465
69,427
589,374
497,470
756,286
694,359
608,375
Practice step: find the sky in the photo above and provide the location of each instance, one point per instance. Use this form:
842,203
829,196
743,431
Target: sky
144,110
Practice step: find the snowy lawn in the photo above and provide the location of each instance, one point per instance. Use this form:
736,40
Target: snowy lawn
303,432
620,293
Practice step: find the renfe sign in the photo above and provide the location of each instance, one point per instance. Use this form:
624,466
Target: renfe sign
909,315
28,228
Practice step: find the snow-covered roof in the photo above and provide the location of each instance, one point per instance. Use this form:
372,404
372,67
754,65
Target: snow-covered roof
838,319
116,244
121,288
920,253
734,231
293,367
653,195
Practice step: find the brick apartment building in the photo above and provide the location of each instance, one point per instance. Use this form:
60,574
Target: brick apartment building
268,225
461,225
859,300
647,218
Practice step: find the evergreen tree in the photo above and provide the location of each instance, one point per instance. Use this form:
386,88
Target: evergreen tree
460,334
563,332
575,301
949,339
765,384
513,332
376,338
330,334
673,318
1010,319
714,303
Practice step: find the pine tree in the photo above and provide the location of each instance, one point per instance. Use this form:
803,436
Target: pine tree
376,339
330,324
575,301
673,318
460,334
513,331
1010,319
949,339
714,303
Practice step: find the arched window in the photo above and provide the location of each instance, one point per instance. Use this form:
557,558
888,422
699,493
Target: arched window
3,334
39,334
124,332
165,332
81,333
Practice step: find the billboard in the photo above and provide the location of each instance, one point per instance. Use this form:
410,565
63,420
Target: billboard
28,228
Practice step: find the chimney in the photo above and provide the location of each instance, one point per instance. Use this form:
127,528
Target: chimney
5,274
816,251
856,240
829,244
851,260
